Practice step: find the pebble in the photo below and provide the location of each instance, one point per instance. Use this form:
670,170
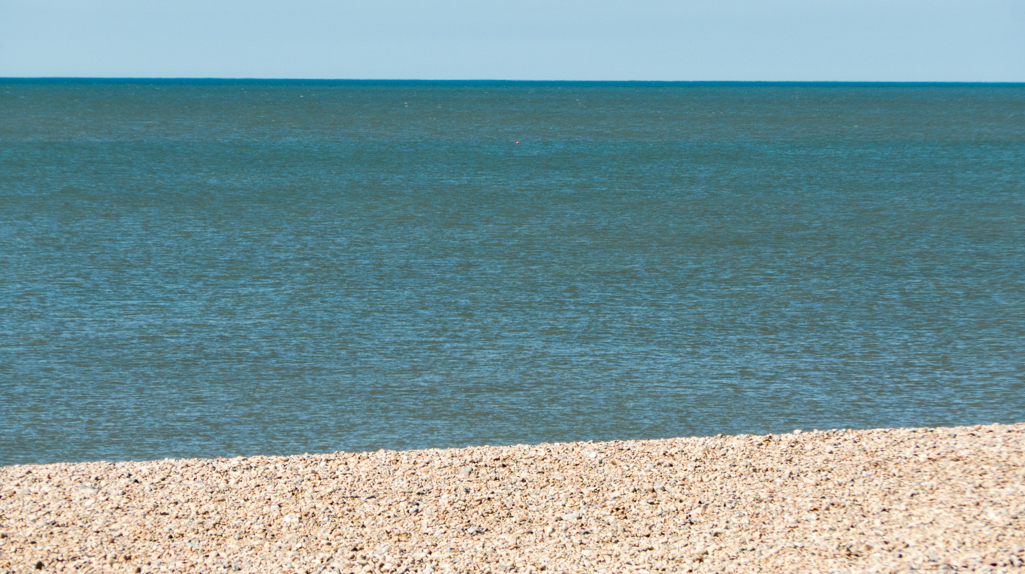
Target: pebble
884,500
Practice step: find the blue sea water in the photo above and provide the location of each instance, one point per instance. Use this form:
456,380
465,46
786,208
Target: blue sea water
222,268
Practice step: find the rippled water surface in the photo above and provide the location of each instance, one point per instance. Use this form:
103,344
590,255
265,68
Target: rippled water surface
215,269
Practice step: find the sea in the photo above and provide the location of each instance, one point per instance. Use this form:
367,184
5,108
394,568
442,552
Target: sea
222,268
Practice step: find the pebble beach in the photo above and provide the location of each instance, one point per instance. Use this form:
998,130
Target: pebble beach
885,500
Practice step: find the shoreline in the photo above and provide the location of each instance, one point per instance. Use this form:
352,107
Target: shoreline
934,499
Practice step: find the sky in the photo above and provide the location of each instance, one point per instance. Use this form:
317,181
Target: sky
655,40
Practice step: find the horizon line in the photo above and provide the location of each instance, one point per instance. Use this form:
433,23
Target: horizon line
170,79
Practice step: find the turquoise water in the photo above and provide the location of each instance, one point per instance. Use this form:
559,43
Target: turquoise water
227,268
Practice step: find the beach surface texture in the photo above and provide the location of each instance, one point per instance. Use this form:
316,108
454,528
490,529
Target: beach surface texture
888,500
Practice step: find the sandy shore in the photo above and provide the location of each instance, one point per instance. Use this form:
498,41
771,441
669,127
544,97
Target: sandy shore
944,499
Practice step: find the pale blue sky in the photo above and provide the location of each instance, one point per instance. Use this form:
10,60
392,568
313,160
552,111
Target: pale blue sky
811,40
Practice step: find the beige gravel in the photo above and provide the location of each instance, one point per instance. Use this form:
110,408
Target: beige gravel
944,499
